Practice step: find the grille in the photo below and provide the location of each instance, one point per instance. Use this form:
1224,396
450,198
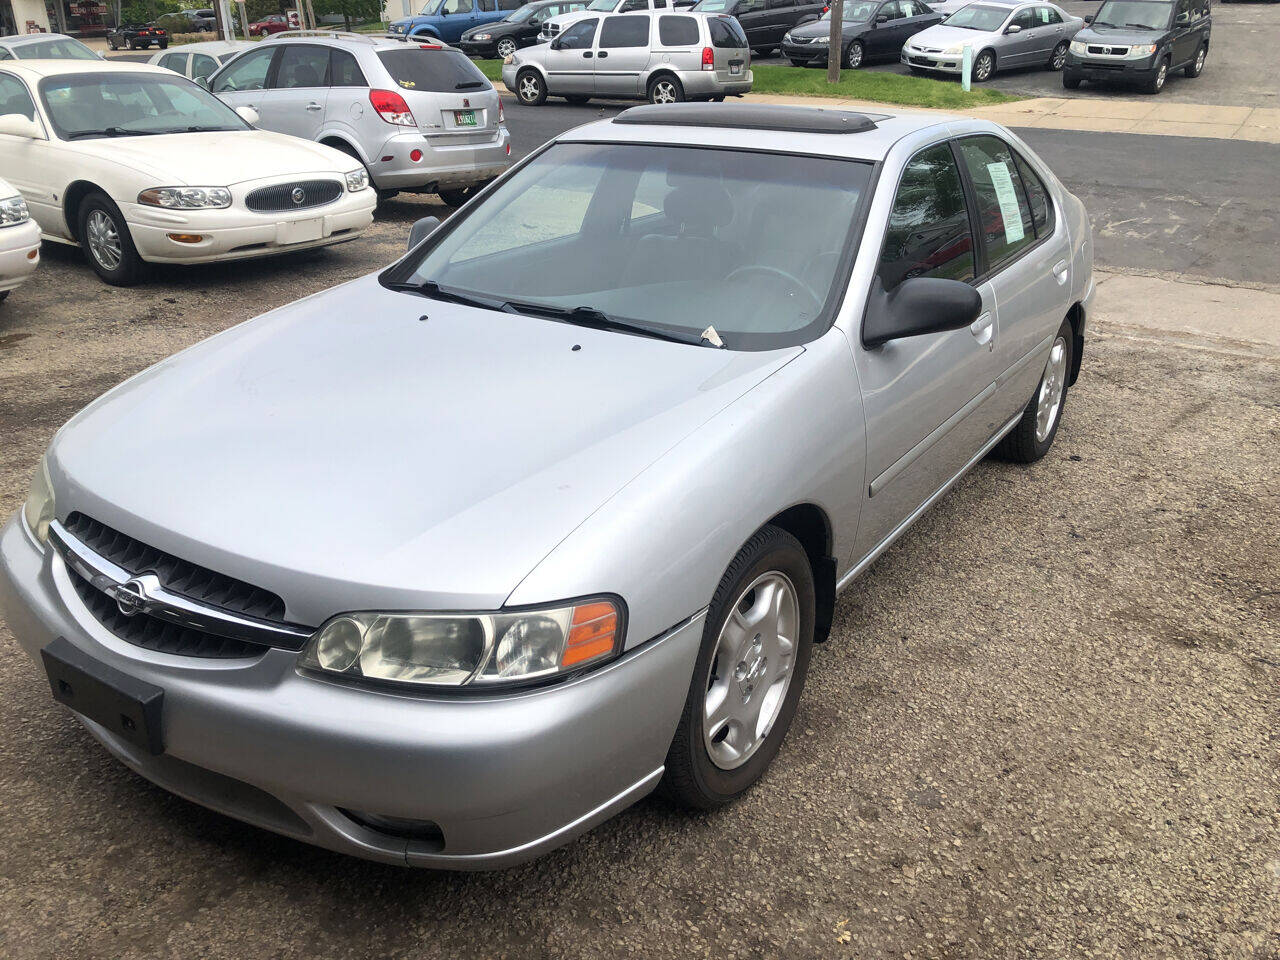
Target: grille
802,39
178,576
1108,51
280,196
144,630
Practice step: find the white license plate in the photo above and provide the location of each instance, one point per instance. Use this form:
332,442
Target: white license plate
300,231
735,69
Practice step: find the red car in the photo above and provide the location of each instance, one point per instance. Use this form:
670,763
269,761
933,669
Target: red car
272,24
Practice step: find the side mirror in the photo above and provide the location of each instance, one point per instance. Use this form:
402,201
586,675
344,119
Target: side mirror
1013,28
1182,18
918,306
1089,18
422,229
882,18
249,115
16,125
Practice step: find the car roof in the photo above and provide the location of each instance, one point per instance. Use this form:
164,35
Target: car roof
843,134
35,69
213,46
360,41
19,39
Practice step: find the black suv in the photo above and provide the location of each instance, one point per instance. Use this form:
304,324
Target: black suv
137,36
765,22
1140,42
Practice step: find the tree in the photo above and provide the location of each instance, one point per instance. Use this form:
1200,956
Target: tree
835,51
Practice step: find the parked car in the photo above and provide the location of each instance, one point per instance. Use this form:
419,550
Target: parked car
137,36
190,21
199,61
660,57
465,667
1140,42
44,46
1002,36
419,117
446,20
872,30
554,26
138,165
517,29
275,23
19,238
948,7
765,22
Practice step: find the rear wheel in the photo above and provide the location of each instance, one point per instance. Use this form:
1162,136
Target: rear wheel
506,47
1059,56
749,675
1033,435
577,99
107,245
665,89
984,66
853,54
1196,66
531,89
456,198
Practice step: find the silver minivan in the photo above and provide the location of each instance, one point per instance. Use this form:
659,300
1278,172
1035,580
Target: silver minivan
420,116
663,57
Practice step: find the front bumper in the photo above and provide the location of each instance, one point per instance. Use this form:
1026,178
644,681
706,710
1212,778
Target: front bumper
937,62
443,165
1110,71
236,233
805,52
19,253
484,49
505,778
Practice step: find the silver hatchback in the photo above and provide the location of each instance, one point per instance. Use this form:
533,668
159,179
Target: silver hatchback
419,116
663,57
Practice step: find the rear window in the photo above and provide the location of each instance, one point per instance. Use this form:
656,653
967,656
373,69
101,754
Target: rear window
677,31
432,71
725,32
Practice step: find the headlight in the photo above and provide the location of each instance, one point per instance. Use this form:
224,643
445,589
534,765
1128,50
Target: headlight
186,198
1138,52
357,179
786,38
953,51
38,510
483,36
13,210
1079,46
471,649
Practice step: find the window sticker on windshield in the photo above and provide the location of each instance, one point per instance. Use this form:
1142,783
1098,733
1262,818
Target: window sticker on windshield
1007,197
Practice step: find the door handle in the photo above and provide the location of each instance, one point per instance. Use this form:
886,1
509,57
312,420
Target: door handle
1060,272
602,54
314,106
588,54
983,330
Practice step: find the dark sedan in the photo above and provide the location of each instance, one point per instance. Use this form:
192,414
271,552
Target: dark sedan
872,30
137,36
518,29
765,22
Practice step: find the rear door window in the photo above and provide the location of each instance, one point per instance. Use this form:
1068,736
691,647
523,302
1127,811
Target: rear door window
674,31
1004,216
302,65
726,33
625,32
929,233
432,71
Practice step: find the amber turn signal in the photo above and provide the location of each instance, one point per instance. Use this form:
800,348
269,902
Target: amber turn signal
185,237
593,633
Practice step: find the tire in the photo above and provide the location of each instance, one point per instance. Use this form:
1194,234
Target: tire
456,198
853,56
1156,83
1070,82
772,560
1196,66
665,88
577,99
799,63
343,147
531,89
1033,435
4,295
719,98
164,46
111,45
506,47
918,71
1058,57
104,237
984,66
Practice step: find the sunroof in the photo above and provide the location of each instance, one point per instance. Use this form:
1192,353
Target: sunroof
744,116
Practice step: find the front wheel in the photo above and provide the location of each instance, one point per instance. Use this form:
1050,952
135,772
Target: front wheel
984,66
106,241
531,89
750,672
1196,66
1156,83
1059,56
665,89
853,54
506,47
1033,435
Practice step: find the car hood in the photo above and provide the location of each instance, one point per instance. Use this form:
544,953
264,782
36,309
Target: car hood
1118,36
217,159
822,28
368,449
940,35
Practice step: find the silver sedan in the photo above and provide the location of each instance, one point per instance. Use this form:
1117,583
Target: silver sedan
448,564
1000,36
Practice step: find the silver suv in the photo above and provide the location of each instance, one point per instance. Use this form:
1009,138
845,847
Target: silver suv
419,116
664,57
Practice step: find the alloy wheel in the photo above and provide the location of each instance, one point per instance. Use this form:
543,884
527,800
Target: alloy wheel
1161,74
750,670
506,47
854,56
1200,61
529,89
1059,57
982,69
664,91
1052,386
104,240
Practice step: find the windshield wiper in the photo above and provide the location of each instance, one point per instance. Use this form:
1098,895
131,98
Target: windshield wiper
198,129
429,288
597,319
110,132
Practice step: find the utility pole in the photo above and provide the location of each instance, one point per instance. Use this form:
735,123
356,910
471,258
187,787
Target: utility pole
835,51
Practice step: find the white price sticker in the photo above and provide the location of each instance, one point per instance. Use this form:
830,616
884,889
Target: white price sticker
1007,197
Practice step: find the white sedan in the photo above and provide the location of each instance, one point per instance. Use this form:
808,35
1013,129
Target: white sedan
19,240
139,165
199,60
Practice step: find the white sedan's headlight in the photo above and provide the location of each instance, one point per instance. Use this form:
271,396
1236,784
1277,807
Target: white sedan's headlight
483,36
472,649
1079,46
186,198
38,510
954,50
357,180
13,210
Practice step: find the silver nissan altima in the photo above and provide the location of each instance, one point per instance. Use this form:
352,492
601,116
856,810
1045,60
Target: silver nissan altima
451,563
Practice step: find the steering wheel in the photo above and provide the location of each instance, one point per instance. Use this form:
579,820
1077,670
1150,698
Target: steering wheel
790,278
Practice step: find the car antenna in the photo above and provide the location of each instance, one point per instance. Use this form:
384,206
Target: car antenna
713,338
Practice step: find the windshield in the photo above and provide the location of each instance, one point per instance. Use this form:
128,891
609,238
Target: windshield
667,239
976,16
88,105
1140,14
855,11
520,14
713,6
64,48
602,6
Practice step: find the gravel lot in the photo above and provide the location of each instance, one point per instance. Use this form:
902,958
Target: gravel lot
1046,724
